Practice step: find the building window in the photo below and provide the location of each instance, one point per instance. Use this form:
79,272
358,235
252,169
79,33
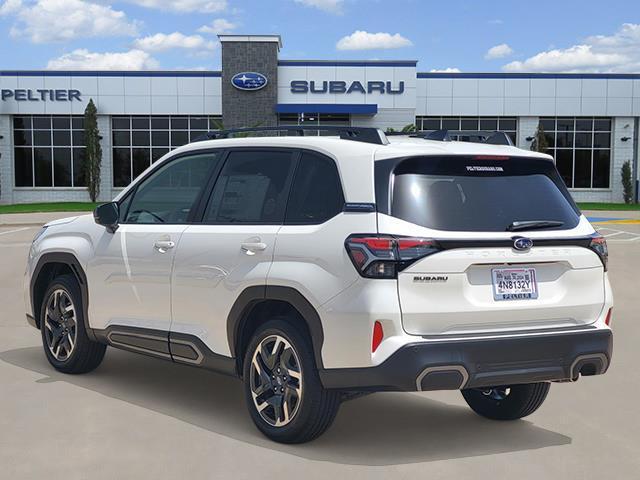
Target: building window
138,141
581,147
48,150
315,119
508,125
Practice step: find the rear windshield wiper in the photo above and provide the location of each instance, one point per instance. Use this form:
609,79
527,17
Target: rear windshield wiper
533,224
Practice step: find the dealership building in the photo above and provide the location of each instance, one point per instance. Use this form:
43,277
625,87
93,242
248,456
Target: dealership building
591,120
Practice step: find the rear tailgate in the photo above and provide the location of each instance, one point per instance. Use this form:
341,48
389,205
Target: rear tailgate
453,292
511,248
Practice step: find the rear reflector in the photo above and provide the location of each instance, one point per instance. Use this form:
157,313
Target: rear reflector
607,320
378,335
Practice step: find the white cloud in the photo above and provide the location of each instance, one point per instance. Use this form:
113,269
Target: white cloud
495,21
331,6
219,26
445,70
499,51
619,52
61,20
361,40
161,42
83,59
10,6
184,6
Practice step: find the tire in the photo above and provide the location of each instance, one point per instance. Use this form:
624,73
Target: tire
64,338
509,402
311,409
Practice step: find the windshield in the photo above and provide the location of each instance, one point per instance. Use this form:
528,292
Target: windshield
482,194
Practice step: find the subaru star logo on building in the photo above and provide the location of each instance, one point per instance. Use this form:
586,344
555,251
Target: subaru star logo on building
522,243
249,81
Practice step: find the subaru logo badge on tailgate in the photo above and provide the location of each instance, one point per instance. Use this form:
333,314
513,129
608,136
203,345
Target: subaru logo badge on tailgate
522,243
249,81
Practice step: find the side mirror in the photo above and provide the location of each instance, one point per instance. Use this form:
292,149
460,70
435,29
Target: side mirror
107,215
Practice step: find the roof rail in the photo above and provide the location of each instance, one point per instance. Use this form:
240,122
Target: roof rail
356,134
475,136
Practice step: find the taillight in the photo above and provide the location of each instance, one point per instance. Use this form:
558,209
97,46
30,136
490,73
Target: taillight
599,245
384,256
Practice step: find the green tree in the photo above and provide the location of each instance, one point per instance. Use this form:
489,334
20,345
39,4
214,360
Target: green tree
93,151
627,182
539,143
409,128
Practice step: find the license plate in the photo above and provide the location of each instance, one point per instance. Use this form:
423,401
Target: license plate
514,284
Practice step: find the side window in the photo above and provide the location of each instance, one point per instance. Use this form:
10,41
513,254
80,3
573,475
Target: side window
252,188
169,194
124,207
316,195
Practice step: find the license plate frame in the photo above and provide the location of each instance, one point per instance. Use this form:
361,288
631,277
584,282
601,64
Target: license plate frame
525,283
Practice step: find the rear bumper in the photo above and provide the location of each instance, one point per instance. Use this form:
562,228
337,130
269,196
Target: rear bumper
474,363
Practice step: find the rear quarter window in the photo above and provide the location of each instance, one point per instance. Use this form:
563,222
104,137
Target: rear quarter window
476,193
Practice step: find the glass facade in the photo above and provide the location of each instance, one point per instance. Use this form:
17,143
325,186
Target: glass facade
581,147
508,125
315,119
48,150
139,141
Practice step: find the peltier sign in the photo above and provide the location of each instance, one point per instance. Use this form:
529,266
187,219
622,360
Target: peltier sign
40,95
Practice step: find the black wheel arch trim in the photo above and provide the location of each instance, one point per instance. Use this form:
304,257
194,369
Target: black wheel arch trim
251,296
73,263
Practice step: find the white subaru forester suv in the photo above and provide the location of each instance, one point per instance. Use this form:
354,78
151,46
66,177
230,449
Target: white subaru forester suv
317,268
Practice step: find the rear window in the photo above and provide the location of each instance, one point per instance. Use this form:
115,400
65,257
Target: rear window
480,193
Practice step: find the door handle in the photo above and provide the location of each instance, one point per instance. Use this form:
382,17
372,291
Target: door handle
163,245
250,248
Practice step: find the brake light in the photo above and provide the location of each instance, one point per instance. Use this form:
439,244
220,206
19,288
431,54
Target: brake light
491,157
599,245
384,256
607,320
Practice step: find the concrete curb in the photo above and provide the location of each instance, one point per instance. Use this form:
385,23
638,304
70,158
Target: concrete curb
18,225
35,219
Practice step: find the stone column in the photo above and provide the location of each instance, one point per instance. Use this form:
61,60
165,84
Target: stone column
249,53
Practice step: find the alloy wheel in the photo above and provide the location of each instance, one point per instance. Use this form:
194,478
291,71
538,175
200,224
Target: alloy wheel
497,393
61,327
276,380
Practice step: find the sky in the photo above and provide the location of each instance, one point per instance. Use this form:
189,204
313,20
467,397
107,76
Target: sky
467,36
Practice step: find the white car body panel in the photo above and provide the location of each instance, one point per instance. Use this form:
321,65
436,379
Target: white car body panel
306,257
211,270
134,278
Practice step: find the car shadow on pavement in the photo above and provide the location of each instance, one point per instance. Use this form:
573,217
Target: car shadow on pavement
376,430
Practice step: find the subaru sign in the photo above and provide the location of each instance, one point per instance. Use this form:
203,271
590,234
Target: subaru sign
339,86
522,243
249,81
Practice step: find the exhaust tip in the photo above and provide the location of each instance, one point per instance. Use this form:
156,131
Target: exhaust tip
589,369
446,377
588,365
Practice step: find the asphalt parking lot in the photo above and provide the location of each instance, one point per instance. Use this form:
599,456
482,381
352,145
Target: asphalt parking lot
136,417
